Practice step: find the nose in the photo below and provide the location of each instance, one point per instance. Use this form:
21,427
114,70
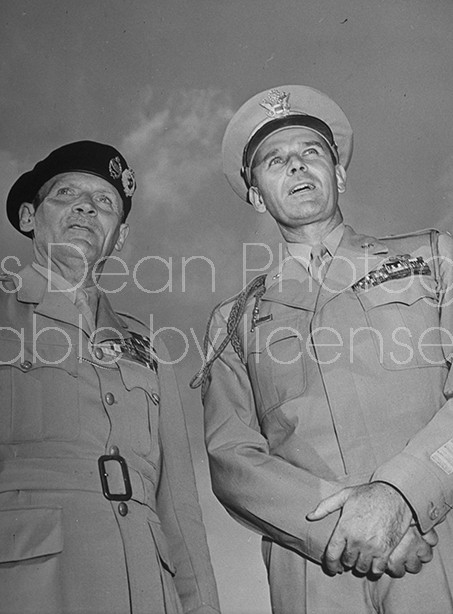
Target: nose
85,205
296,163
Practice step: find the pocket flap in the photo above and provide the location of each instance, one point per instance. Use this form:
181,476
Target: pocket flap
29,533
28,356
276,331
136,375
407,291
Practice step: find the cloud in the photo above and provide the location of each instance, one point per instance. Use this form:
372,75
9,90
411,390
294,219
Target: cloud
175,150
9,171
11,242
444,187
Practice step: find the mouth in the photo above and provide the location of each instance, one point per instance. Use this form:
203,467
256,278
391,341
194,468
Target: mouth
80,226
299,188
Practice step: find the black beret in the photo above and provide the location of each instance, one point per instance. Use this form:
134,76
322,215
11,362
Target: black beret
82,156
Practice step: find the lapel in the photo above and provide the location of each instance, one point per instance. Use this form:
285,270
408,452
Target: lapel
291,285
109,326
57,306
356,256
52,304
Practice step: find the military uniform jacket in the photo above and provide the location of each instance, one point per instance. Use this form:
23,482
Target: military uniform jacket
65,547
339,385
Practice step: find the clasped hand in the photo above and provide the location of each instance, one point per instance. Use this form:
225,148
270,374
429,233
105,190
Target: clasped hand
376,532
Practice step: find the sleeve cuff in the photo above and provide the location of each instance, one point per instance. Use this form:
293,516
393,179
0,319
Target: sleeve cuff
420,486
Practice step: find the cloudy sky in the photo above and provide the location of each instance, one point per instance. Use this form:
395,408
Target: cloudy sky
159,79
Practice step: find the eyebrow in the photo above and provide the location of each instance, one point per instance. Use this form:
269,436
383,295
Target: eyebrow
277,150
73,184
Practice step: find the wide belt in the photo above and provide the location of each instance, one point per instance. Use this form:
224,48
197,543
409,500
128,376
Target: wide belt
76,474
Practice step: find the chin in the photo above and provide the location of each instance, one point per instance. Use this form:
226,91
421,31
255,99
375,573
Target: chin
304,210
80,247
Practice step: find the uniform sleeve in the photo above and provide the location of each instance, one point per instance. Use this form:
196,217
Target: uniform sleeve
264,492
423,471
177,502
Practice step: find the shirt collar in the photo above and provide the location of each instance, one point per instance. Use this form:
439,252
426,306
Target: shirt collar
333,239
62,285
301,251
56,281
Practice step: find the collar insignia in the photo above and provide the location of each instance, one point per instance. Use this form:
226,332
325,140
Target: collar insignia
276,104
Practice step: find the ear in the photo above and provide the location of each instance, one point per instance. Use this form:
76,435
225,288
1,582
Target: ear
122,236
256,199
27,217
341,178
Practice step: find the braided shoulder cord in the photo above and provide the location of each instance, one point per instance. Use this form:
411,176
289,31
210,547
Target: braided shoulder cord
255,287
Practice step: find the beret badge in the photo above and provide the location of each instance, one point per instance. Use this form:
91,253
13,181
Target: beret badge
127,175
115,168
276,104
128,180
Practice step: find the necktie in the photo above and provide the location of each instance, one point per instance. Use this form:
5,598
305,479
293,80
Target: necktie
318,263
82,303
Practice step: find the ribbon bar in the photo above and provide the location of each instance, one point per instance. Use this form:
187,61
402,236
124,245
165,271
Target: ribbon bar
395,268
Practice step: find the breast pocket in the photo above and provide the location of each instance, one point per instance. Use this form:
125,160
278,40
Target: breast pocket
402,316
39,391
143,402
276,363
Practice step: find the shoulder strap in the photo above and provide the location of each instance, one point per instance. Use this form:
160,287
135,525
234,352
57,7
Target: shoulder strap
254,288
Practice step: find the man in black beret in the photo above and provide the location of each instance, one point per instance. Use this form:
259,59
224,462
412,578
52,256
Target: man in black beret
98,504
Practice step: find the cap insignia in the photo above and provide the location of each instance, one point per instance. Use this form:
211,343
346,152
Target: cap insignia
115,168
276,104
128,179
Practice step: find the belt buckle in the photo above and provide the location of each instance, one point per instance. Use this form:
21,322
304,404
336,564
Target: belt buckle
104,478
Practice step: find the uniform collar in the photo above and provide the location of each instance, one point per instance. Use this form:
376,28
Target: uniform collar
56,281
109,325
54,303
301,251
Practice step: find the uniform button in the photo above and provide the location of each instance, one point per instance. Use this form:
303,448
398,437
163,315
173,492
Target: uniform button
26,365
114,451
122,508
433,513
109,398
99,353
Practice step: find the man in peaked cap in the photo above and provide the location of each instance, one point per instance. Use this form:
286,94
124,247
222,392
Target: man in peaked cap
327,386
98,504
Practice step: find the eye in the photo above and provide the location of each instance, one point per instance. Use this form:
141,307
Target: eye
65,191
276,160
103,198
108,203
311,151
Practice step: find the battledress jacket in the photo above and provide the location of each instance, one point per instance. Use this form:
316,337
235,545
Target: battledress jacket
338,385
64,546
